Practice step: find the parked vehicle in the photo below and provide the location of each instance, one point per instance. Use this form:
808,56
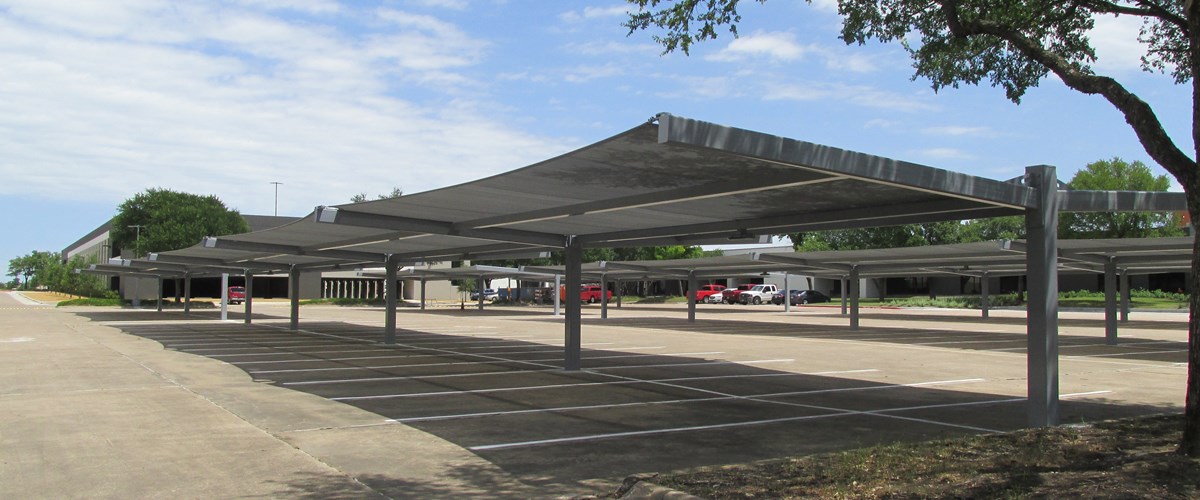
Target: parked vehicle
799,297
587,293
757,294
489,294
729,295
237,294
707,291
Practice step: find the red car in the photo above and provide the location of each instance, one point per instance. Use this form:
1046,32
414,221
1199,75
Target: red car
730,295
706,290
587,293
237,294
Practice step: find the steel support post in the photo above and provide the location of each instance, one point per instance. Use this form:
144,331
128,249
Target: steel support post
854,292
787,294
187,294
1041,229
691,296
620,292
557,294
572,355
1124,295
249,296
224,296
479,288
422,294
390,292
294,297
603,296
984,303
843,295
1110,301
159,294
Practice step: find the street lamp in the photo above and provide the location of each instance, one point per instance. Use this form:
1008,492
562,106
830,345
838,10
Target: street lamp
276,197
137,245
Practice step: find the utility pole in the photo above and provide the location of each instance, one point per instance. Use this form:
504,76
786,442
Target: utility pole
137,244
276,197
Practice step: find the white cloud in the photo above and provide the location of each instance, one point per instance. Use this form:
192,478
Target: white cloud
586,73
772,45
944,154
235,98
860,95
1115,40
574,16
782,47
959,130
441,4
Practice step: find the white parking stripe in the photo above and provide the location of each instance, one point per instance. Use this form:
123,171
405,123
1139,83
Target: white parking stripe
681,401
344,368
585,384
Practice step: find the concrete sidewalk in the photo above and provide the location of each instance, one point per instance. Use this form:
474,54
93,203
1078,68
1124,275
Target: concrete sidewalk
87,411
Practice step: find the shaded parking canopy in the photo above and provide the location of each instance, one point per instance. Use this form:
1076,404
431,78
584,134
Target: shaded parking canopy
675,180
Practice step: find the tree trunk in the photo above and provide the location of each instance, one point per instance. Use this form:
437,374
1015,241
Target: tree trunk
1189,444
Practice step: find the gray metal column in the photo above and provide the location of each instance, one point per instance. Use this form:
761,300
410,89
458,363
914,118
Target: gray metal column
249,296
572,356
691,296
854,292
422,294
557,295
479,288
843,295
390,291
187,293
224,296
603,296
1041,229
1110,301
294,297
1124,295
620,292
984,303
787,294
158,301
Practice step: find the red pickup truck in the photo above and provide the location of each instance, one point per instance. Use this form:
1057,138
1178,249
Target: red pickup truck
237,294
730,295
706,290
587,293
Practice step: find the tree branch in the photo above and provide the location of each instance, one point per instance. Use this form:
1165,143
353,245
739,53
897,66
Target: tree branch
1147,9
1139,115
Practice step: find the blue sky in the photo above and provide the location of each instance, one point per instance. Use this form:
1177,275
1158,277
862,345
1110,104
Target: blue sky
101,100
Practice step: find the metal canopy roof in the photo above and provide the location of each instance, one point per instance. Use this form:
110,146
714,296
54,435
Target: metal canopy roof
996,258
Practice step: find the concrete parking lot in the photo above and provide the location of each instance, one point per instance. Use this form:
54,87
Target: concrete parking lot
475,402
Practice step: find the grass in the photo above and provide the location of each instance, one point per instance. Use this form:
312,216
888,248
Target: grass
1131,458
90,301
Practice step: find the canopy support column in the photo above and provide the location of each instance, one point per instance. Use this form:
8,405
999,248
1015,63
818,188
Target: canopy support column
854,291
294,297
1110,301
557,294
390,267
1041,228
422,294
843,295
691,296
249,295
603,296
187,294
787,294
1124,295
224,296
620,292
159,294
572,344
479,288
984,303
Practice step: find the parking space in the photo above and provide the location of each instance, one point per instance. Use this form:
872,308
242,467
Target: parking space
659,393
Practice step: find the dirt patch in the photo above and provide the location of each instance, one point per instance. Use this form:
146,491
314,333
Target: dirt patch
1132,458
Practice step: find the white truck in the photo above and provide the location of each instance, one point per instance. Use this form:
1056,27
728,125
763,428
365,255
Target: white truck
757,294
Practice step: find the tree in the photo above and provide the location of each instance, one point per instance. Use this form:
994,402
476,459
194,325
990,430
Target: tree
1118,175
361,197
1014,44
170,220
